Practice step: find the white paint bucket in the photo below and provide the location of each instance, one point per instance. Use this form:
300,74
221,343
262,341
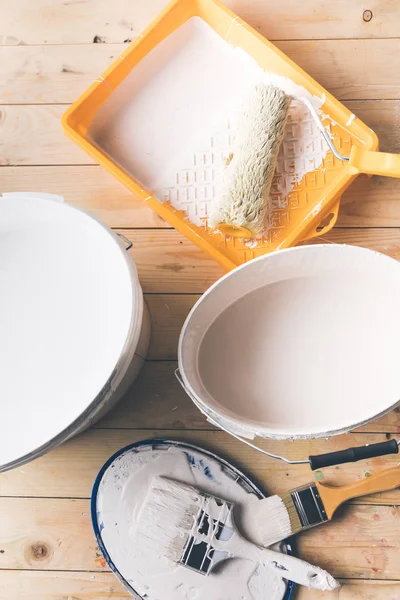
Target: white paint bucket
74,326
296,344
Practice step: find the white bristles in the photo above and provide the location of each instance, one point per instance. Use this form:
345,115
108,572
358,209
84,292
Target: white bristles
277,519
166,519
248,177
272,518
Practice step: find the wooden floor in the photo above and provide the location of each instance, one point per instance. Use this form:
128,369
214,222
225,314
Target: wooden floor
51,51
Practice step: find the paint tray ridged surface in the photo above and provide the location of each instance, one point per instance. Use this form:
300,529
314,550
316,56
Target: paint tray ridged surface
162,120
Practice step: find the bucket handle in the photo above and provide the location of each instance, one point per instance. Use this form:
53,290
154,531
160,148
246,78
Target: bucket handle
316,462
235,435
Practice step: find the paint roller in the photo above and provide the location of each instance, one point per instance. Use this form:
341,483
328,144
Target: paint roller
242,207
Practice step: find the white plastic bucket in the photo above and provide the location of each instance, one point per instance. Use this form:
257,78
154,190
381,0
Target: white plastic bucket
296,344
74,325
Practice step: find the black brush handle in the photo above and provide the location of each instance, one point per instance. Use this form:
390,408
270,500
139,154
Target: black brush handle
353,454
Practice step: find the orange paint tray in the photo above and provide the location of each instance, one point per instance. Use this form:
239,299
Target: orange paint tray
161,119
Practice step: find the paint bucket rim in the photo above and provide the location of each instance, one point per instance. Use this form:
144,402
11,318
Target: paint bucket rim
233,422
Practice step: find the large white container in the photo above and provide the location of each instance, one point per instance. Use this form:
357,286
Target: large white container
296,344
74,328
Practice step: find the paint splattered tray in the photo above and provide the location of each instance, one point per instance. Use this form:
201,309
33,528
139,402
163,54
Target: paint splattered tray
162,120
117,498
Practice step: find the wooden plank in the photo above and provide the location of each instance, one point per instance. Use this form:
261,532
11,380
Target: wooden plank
168,312
52,74
368,202
362,77
60,585
89,187
157,392
361,541
167,262
69,585
287,20
80,459
35,536
371,202
57,585
383,116
32,135
74,22
59,74
386,241
368,589
29,123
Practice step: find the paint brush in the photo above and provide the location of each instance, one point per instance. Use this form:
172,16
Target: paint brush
197,530
280,517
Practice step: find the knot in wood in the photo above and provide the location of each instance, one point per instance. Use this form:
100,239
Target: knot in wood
367,15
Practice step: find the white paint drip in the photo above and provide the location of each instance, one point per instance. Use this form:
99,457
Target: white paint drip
350,120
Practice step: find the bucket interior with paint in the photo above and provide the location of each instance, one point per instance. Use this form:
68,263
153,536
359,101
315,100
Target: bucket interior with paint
74,326
300,343
117,498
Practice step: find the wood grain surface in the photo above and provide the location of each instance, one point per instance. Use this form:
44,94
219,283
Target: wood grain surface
59,74
51,50
77,22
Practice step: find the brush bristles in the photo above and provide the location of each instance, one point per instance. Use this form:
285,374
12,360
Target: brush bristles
166,519
272,519
295,523
249,174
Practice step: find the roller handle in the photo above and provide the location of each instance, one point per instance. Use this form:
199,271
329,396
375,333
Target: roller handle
353,454
374,163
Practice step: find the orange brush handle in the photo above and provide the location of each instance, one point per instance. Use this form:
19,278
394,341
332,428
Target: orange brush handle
333,497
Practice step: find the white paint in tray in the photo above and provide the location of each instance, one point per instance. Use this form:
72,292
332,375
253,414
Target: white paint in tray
171,122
